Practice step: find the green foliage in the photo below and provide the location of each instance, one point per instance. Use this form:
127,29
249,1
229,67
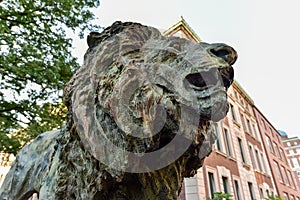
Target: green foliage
222,196
272,197
35,63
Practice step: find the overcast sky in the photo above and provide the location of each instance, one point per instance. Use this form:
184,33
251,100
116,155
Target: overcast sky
265,33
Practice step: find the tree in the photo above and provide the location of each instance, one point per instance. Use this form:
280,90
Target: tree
273,197
35,63
221,196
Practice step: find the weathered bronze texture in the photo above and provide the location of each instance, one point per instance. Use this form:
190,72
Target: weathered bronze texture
139,115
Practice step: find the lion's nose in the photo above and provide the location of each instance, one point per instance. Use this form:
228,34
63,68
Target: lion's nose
227,53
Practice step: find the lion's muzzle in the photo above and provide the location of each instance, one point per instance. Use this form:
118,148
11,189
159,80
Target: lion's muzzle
210,86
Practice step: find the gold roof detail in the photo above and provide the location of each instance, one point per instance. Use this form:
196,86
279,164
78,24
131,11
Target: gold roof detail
182,29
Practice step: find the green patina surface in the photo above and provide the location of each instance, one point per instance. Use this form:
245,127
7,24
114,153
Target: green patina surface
135,94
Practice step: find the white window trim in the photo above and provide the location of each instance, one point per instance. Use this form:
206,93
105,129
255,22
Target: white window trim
215,172
241,190
230,140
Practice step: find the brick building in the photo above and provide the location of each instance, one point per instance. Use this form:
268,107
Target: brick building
241,162
292,149
251,150
283,176
237,164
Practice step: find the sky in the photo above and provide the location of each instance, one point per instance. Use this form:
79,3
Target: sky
266,35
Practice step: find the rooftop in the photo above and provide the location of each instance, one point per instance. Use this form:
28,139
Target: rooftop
282,133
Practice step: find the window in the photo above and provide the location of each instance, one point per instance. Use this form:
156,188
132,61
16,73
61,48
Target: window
249,127
243,122
271,131
237,190
291,152
278,171
242,150
261,193
263,122
277,138
290,163
285,178
252,157
228,144
232,112
288,144
236,95
250,187
276,150
282,155
225,184
212,185
263,162
247,107
255,132
290,179
269,144
295,162
292,197
258,160
219,146
286,197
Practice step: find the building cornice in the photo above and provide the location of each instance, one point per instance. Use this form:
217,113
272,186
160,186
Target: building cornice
182,25
237,86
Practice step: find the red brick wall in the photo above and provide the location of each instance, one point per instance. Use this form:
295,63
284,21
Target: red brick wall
272,133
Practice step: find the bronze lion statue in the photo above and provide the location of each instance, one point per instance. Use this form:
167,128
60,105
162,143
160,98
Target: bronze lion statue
139,120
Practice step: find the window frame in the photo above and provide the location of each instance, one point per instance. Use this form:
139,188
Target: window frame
251,190
219,146
225,184
290,177
242,151
237,191
249,128
233,113
264,164
257,154
211,190
285,177
228,142
269,143
277,169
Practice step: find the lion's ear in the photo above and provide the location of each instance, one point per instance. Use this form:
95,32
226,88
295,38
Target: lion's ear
93,39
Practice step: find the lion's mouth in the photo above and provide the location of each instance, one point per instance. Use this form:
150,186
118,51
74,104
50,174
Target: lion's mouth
210,89
222,76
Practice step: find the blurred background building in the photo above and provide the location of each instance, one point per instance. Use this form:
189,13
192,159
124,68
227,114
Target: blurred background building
249,158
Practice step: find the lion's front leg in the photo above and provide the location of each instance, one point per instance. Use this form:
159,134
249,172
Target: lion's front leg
17,183
30,169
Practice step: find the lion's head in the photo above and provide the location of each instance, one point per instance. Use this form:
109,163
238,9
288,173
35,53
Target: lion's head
141,99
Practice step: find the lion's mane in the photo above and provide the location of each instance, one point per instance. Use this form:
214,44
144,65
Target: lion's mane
111,70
